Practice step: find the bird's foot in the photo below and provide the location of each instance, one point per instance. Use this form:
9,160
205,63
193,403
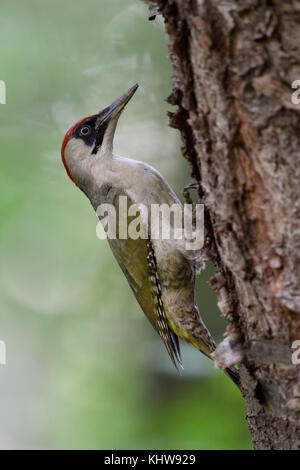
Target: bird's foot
187,189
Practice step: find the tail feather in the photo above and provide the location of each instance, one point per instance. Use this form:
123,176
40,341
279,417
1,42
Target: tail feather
234,375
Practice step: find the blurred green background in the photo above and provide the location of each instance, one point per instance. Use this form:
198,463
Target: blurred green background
84,367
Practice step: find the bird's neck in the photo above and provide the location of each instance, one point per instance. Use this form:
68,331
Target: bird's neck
98,174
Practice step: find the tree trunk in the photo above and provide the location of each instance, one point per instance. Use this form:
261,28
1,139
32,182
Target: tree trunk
233,65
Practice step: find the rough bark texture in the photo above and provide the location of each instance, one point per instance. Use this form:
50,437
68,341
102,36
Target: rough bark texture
233,65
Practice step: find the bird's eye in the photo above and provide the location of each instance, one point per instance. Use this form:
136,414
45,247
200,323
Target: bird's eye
85,130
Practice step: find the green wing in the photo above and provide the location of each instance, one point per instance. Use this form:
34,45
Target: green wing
137,261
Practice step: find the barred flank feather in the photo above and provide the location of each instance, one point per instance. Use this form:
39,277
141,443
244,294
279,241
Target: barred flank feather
171,342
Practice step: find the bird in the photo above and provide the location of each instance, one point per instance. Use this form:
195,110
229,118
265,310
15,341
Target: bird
160,272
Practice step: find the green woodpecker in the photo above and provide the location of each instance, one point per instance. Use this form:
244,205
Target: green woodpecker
160,272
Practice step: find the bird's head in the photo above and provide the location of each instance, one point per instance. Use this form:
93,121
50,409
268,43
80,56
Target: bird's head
92,138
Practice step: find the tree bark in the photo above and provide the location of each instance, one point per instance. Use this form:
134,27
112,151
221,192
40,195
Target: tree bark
233,65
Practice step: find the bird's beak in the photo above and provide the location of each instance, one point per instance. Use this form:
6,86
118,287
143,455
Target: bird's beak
116,107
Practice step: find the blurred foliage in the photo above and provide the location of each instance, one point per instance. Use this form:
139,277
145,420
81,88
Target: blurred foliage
84,368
